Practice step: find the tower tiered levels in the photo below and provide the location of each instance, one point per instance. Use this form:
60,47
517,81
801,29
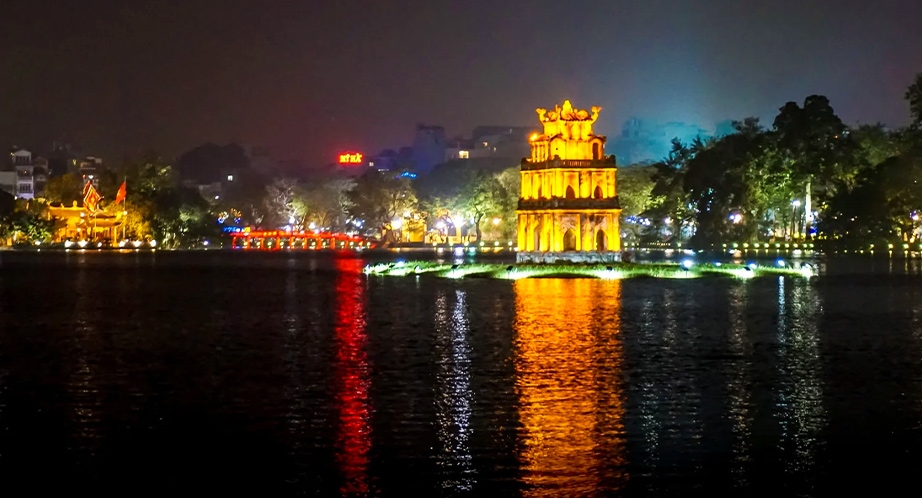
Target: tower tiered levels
568,209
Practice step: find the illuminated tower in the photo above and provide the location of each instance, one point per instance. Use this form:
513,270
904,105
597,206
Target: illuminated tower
569,207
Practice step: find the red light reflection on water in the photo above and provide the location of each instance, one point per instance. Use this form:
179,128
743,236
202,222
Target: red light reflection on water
353,439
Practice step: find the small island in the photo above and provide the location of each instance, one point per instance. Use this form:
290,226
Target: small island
615,271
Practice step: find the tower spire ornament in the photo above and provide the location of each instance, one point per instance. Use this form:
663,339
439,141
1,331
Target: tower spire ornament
568,208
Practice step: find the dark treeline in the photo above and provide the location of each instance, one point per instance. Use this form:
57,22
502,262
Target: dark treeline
805,177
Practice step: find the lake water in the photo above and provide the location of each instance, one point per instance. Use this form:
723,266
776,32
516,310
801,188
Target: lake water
296,375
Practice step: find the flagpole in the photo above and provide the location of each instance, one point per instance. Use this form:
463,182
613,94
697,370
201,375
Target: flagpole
125,216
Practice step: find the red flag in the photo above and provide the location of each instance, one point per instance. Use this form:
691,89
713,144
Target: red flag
91,198
122,191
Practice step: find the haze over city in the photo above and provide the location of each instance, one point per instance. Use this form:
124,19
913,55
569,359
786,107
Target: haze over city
311,78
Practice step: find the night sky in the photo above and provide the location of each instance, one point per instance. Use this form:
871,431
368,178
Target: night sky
310,77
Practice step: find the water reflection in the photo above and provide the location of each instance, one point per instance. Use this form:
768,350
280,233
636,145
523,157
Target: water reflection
82,385
738,387
916,335
668,386
294,363
568,379
799,407
453,397
353,377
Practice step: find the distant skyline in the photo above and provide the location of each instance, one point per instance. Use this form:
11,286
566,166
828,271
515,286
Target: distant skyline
311,78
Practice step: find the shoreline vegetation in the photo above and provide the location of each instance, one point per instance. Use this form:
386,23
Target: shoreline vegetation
615,271
806,179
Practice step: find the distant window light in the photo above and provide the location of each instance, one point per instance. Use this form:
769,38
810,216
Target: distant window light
230,178
464,154
486,144
371,164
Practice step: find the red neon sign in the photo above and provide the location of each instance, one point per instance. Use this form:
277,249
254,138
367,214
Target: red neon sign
351,158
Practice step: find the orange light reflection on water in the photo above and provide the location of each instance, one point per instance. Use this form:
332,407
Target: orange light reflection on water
568,378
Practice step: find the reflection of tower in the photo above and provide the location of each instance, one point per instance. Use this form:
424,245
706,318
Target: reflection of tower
453,402
568,207
352,375
568,379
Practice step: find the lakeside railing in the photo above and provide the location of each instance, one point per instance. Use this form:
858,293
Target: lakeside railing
608,162
564,203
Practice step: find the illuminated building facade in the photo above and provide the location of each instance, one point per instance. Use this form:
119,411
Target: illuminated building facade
568,209
76,223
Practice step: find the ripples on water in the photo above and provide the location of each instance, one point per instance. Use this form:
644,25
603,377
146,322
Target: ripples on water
298,375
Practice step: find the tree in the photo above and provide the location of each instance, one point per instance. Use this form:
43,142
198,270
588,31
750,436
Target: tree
66,189
246,195
914,96
377,198
668,208
483,194
462,197
715,185
325,205
29,221
635,184
511,181
182,218
280,201
882,208
875,144
159,208
816,144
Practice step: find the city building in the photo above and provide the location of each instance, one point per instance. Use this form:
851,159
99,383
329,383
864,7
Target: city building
9,182
81,225
261,159
61,160
568,208
21,160
459,149
501,141
39,175
392,160
88,168
642,141
429,145
489,148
